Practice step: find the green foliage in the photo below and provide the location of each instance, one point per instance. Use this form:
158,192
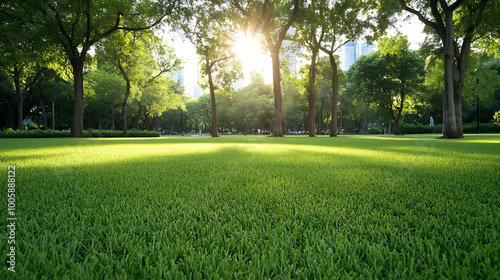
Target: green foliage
496,117
483,127
251,104
468,128
374,130
10,133
408,207
389,77
422,129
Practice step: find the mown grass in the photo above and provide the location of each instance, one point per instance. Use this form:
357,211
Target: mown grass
255,207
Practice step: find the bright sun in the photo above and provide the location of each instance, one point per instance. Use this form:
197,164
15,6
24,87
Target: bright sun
252,55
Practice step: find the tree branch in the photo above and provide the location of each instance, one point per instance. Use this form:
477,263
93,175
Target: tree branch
30,84
294,16
455,5
61,26
423,19
87,13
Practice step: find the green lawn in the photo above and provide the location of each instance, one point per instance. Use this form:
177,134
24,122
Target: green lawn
254,207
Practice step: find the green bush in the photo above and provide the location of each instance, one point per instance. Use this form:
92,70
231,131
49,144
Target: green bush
144,133
10,133
483,127
374,130
468,128
419,129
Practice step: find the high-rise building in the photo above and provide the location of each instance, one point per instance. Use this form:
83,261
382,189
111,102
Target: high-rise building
178,76
197,92
364,49
350,54
354,50
290,55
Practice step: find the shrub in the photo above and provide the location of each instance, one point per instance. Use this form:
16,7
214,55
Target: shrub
10,133
374,130
419,129
483,127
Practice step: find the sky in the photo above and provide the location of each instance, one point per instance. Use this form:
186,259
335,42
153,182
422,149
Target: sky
262,62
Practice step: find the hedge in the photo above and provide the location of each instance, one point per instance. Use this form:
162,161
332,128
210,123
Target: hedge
468,128
10,133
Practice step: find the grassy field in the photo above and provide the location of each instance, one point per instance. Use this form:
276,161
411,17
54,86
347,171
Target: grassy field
254,207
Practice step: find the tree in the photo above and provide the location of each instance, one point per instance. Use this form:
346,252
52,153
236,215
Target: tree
7,100
250,102
157,97
24,59
388,77
107,88
77,26
206,25
457,25
311,33
271,19
342,22
140,57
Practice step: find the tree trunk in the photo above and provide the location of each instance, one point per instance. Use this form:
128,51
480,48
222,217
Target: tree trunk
390,124
20,98
277,128
182,125
77,129
44,114
460,71
113,107
320,120
396,124
213,104
365,119
312,95
124,110
53,116
335,94
451,130
340,119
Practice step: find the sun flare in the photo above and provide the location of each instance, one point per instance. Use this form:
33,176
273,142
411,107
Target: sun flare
252,55
248,50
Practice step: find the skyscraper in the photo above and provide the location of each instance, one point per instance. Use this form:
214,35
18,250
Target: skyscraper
178,76
197,92
350,54
291,55
353,51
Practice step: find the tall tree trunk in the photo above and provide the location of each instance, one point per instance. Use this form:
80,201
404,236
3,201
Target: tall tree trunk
341,125
335,94
182,125
365,119
77,129
312,95
213,104
124,109
53,115
44,114
396,124
278,100
460,71
20,98
320,119
451,130
390,124
113,107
